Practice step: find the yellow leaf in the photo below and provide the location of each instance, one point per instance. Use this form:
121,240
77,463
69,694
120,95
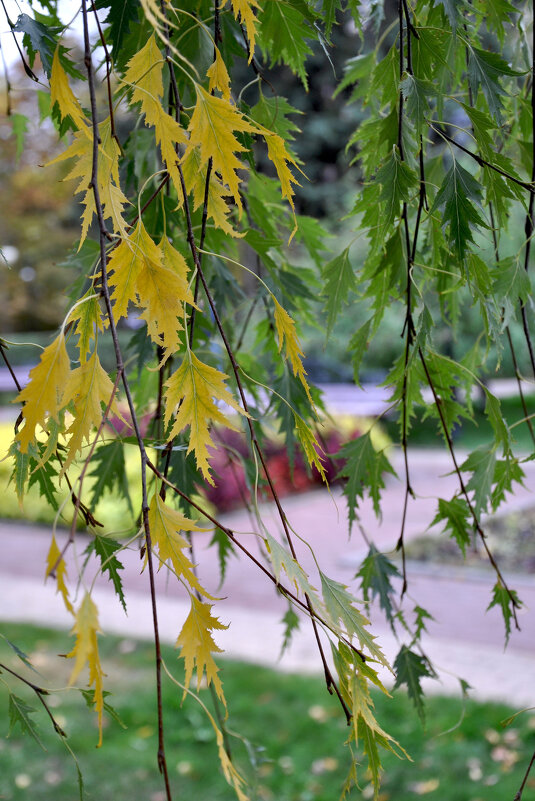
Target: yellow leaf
60,571
195,180
287,336
87,320
165,527
197,645
88,387
42,395
279,156
144,73
310,445
140,275
211,129
244,9
173,260
112,197
193,388
62,94
218,76
85,652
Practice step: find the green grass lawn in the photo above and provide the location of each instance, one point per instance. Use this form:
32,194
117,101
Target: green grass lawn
471,434
294,733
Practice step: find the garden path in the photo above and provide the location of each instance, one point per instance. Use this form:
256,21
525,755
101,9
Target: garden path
463,641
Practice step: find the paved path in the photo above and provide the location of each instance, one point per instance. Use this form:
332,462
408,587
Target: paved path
463,641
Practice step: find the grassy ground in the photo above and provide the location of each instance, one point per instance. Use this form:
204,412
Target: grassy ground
294,731
472,434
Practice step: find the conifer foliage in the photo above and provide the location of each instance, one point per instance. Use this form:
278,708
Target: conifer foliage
195,205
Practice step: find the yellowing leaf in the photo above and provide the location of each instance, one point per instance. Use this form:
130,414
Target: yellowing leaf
111,196
62,94
60,570
165,527
139,275
193,388
197,645
173,260
144,73
87,320
85,651
244,9
218,76
310,445
287,336
279,156
212,128
195,180
42,395
88,387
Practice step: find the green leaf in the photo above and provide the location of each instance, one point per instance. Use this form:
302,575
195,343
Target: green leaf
375,574
416,91
21,655
485,69
38,38
225,550
21,464
19,124
456,196
44,476
121,15
364,470
19,714
339,604
89,698
283,33
506,472
109,472
508,601
273,113
410,669
457,518
105,548
420,616
511,283
339,277
291,624
281,559
481,463
397,180
451,10
358,345
493,412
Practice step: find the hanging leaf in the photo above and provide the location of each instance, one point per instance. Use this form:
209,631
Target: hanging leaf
456,196
193,391
56,565
165,526
89,389
85,652
212,127
42,395
197,645
410,669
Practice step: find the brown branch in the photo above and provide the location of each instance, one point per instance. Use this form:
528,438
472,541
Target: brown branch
475,518
518,795
40,692
103,235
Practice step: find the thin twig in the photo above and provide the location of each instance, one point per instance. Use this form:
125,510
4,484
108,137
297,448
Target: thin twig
518,795
40,692
103,235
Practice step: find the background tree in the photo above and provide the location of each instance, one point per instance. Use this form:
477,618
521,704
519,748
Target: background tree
190,226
